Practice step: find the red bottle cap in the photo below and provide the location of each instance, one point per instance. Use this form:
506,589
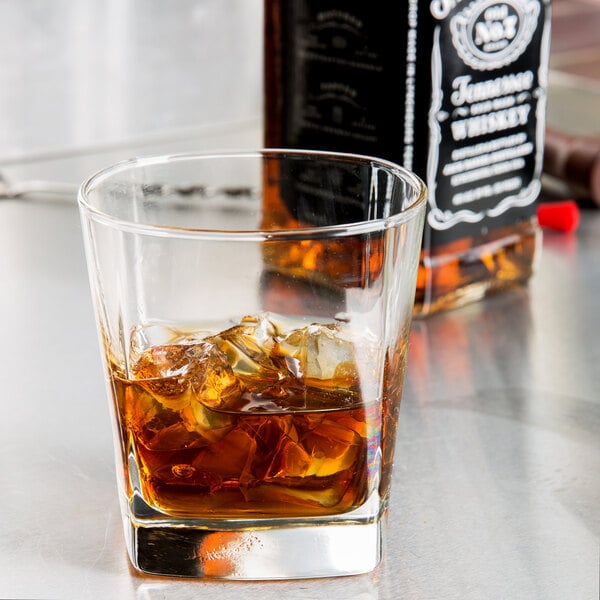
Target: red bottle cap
563,216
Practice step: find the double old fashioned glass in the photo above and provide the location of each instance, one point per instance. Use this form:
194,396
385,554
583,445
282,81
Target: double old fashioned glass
253,312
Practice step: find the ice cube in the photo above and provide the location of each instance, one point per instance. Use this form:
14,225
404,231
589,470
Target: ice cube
277,364
290,460
249,350
213,381
165,371
169,360
160,335
157,435
248,346
319,352
153,425
230,458
209,424
179,374
332,446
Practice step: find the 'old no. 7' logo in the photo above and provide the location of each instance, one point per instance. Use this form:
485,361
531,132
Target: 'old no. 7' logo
489,34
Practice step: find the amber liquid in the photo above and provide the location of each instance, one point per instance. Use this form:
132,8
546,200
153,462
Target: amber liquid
338,262
224,428
468,269
450,275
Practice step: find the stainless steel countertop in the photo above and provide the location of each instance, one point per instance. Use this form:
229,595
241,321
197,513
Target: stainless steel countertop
497,479
497,475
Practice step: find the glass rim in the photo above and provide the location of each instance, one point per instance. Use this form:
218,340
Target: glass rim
340,230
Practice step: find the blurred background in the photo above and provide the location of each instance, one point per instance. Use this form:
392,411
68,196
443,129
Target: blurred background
101,80
84,83
574,94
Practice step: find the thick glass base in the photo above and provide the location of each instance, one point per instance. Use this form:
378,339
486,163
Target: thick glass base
322,550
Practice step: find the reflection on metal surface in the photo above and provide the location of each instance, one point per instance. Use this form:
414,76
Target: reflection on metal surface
496,485
484,344
498,448
362,587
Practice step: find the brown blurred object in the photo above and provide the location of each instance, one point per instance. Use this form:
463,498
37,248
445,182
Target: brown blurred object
575,161
572,148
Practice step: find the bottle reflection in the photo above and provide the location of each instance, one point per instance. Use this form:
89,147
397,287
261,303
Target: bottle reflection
481,346
359,587
485,464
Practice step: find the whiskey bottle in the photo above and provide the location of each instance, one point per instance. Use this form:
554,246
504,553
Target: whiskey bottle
454,90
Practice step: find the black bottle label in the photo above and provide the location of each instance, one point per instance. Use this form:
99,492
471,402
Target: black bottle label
486,115
452,89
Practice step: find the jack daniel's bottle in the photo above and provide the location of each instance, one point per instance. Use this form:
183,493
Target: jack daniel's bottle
452,89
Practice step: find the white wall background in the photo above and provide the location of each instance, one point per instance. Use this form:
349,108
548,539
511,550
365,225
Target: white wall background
78,76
